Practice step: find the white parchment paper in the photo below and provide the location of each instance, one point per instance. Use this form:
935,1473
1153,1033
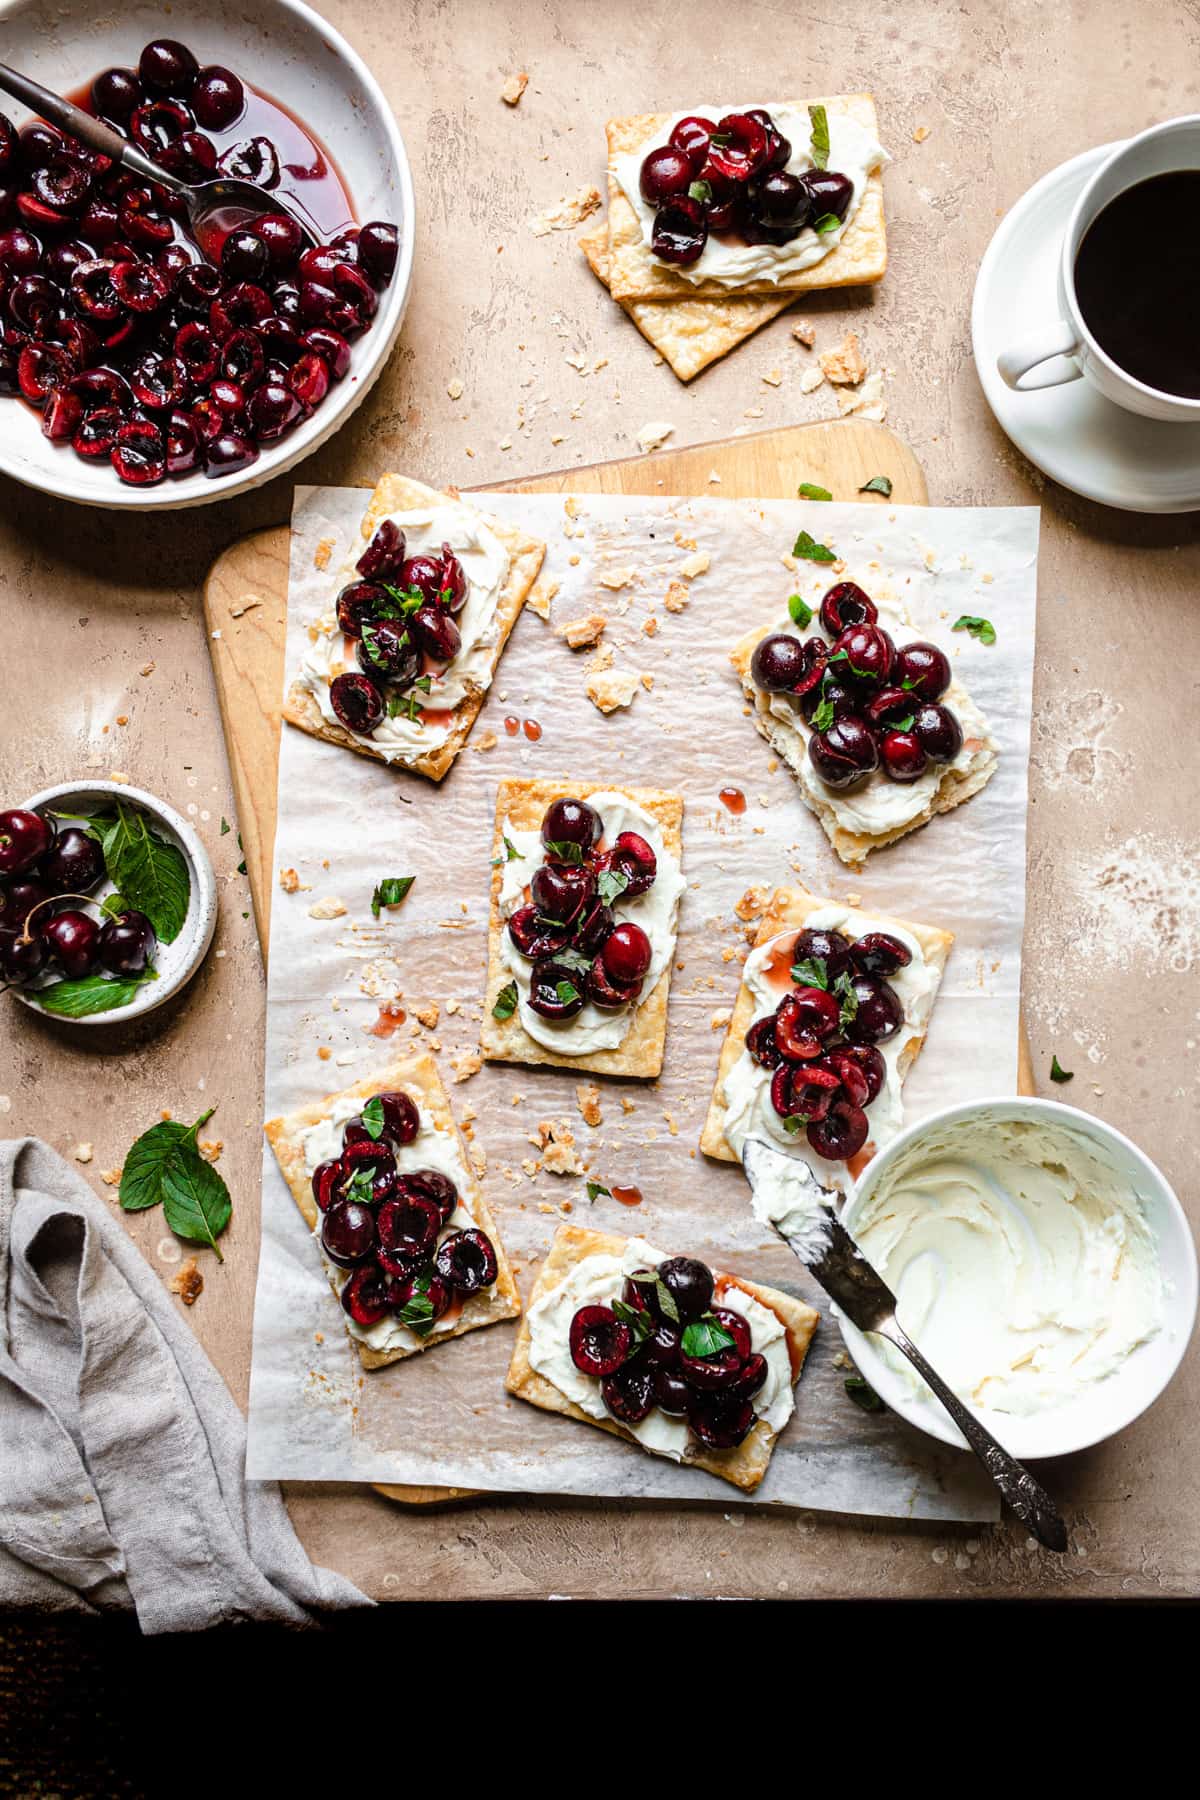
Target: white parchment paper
345,821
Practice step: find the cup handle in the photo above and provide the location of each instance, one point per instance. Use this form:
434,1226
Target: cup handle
1019,363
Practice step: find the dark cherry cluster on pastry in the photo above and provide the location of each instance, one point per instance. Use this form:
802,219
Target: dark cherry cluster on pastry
731,177
820,1043
42,868
665,1344
871,705
401,612
569,930
385,1227
139,346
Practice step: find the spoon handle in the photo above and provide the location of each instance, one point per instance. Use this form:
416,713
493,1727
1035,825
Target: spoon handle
1027,1497
91,131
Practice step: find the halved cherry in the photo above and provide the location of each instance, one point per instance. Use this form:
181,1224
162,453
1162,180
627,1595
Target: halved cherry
348,1233
760,1042
533,937
629,1394
432,1185
662,1349
384,555
140,453
43,367
634,858
598,1340
365,1297
709,1374
672,1394
160,382
879,953
849,1075
739,147
841,1133
239,308
408,1231
607,994
62,416
467,1260
887,706
720,1421
804,1090
357,702
96,433
751,1377
368,1153
692,136
868,1061
556,990
803,1021
139,286
560,892
93,292
593,927
844,604
425,1293
102,388
328,1179
865,653
436,632
360,601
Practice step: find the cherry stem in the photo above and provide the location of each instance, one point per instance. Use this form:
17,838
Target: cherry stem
53,900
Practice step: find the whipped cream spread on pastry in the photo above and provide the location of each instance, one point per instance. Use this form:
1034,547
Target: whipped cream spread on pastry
430,1149
1022,1262
599,1280
727,258
584,940
752,1086
415,716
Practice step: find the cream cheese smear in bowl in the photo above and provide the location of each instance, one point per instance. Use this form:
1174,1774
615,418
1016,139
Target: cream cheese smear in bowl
1038,1259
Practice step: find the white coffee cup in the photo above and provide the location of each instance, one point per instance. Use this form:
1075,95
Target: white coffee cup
1066,349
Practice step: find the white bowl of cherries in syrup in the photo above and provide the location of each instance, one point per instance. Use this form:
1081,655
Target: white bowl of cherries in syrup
135,370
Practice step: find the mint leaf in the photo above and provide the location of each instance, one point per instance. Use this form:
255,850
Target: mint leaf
150,873
511,853
811,971
565,852
165,1165
401,601
505,1003
566,991
663,1294
819,142
224,826
92,994
417,1311
1058,1073
878,484
704,1337
597,1188
809,548
361,1187
390,892
823,717
826,223
844,993
701,191
863,1394
808,490
612,885
141,1177
983,629
372,1117
799,611
795,1123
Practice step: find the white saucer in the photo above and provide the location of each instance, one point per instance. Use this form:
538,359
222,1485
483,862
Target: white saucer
1072,433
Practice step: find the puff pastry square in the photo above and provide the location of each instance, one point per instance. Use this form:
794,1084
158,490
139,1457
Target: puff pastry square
860,256
418,1076
688,334
505,1040
397,494
854,847
789,910
745,1466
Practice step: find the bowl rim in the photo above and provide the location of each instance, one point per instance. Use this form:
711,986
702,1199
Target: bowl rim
378,342
202,903
1185,1277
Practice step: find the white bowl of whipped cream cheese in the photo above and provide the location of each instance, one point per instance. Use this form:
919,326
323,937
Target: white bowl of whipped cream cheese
1041,1262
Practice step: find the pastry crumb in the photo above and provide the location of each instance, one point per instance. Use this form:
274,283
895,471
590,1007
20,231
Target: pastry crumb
773,378
290,882
582,633
188,1282
867,401
696,564
626,1104
111,1177
649,626
211,1148
920,133
428,1015
514,87
615,579
587,1095
486,741
805,332
720,1018
612,690
556,1141
567,212
540,595
147,668
466,1064
329,907
845,366
676,597
653,435
811,379
753,903
83,1153
322,553
455,389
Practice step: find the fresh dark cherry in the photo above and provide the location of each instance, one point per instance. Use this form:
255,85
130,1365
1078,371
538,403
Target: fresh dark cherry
26,837
841,1134
334,352
357,702
665,173
407,1230
844,754
115,93
386,652
922,669
689,1283
803,1021
328,1181
436,632
692,135
671,1392
431,1185
846,604
308,379
869,1064
365,1297
879,953
97,433
760,1042
384,555
62,183
560,892
158,124
573,822
359,602
71,942
804,1090
348,1233
751,1377
868,655
661,1349
779,149
782,201
218,98
737,1325
245,257
634,858
780,660
629,1394
72,864
680,232
127,943
828,947
401,1118
467,1261
533,937
938,732
21,958
273,409
611,996
368,1155
598,1341
828,192
556,991
229,451
901,755
744,149
378,247
888,708
626,954
879,1013
709,1374
139,454
18,899
168,67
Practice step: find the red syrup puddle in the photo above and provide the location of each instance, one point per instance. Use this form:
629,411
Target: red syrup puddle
858,1162
733,800
777,970
512,726
533,730
390,1019
628,1196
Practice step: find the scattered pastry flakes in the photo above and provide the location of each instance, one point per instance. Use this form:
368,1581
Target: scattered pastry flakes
83,1153
615,578
583,633
111,1177
920,133
322,553
290,882
569,211
867,400
696,564
649,626
805,332
330,907
676,597
773,378
428,1015
188,1282
588,1096
753,903
721,1018
556,1141
514,87
811,379
455,389
211,1148
488,741
844,367
612,690
466,1064
540,595
147,668
653,435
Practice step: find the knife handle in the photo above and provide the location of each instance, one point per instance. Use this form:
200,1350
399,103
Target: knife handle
1027,1497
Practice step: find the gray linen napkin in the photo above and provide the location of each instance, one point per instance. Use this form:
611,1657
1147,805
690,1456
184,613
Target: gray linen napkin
122,1453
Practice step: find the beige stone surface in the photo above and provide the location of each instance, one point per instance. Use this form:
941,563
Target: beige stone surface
87,601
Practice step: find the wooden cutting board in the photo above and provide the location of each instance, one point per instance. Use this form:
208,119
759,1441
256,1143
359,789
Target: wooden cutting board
245,604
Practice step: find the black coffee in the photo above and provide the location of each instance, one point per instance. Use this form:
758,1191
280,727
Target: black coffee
1137,280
